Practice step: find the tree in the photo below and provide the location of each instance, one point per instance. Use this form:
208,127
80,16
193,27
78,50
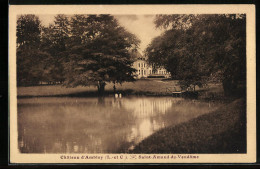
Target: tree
101,53
61,32
28,32
222,44
174,50
196,47
55,41
79,29
31,66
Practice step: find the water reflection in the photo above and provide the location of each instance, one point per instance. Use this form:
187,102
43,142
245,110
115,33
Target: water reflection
94,125
148,107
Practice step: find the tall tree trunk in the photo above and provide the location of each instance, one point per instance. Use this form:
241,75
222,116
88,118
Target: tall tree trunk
229,86
101,88
114,87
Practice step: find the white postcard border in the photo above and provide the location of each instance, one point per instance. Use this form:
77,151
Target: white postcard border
249,10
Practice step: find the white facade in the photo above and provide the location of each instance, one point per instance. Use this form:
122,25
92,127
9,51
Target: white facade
144,70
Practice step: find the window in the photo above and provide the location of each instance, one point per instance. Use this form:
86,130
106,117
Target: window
144,64
144,72
139,72
139,65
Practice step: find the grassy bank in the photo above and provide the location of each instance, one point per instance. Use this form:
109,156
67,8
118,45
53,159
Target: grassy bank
139,87
222,131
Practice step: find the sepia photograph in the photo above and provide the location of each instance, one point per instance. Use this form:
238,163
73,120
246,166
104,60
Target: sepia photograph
100,84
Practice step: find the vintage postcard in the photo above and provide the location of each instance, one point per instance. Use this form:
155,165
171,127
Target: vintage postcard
132,84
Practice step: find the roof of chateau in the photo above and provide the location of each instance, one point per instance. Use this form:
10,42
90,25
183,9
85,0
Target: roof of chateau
137,55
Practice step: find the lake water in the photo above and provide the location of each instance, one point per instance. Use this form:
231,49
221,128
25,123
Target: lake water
98,125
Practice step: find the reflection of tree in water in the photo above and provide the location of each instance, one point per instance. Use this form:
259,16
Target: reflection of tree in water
117,102
148,106
148,113
80,128
101,100
97,125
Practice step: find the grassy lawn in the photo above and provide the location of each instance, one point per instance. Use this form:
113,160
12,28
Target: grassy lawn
139,86
146,86
222,131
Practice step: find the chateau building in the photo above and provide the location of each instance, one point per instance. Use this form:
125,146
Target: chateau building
144,70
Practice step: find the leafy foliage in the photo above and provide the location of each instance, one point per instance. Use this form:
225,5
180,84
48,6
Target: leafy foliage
28,53
78,50
55,41
195,48
28,31
102,54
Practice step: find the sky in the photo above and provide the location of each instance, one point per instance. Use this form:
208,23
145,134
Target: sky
140,25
